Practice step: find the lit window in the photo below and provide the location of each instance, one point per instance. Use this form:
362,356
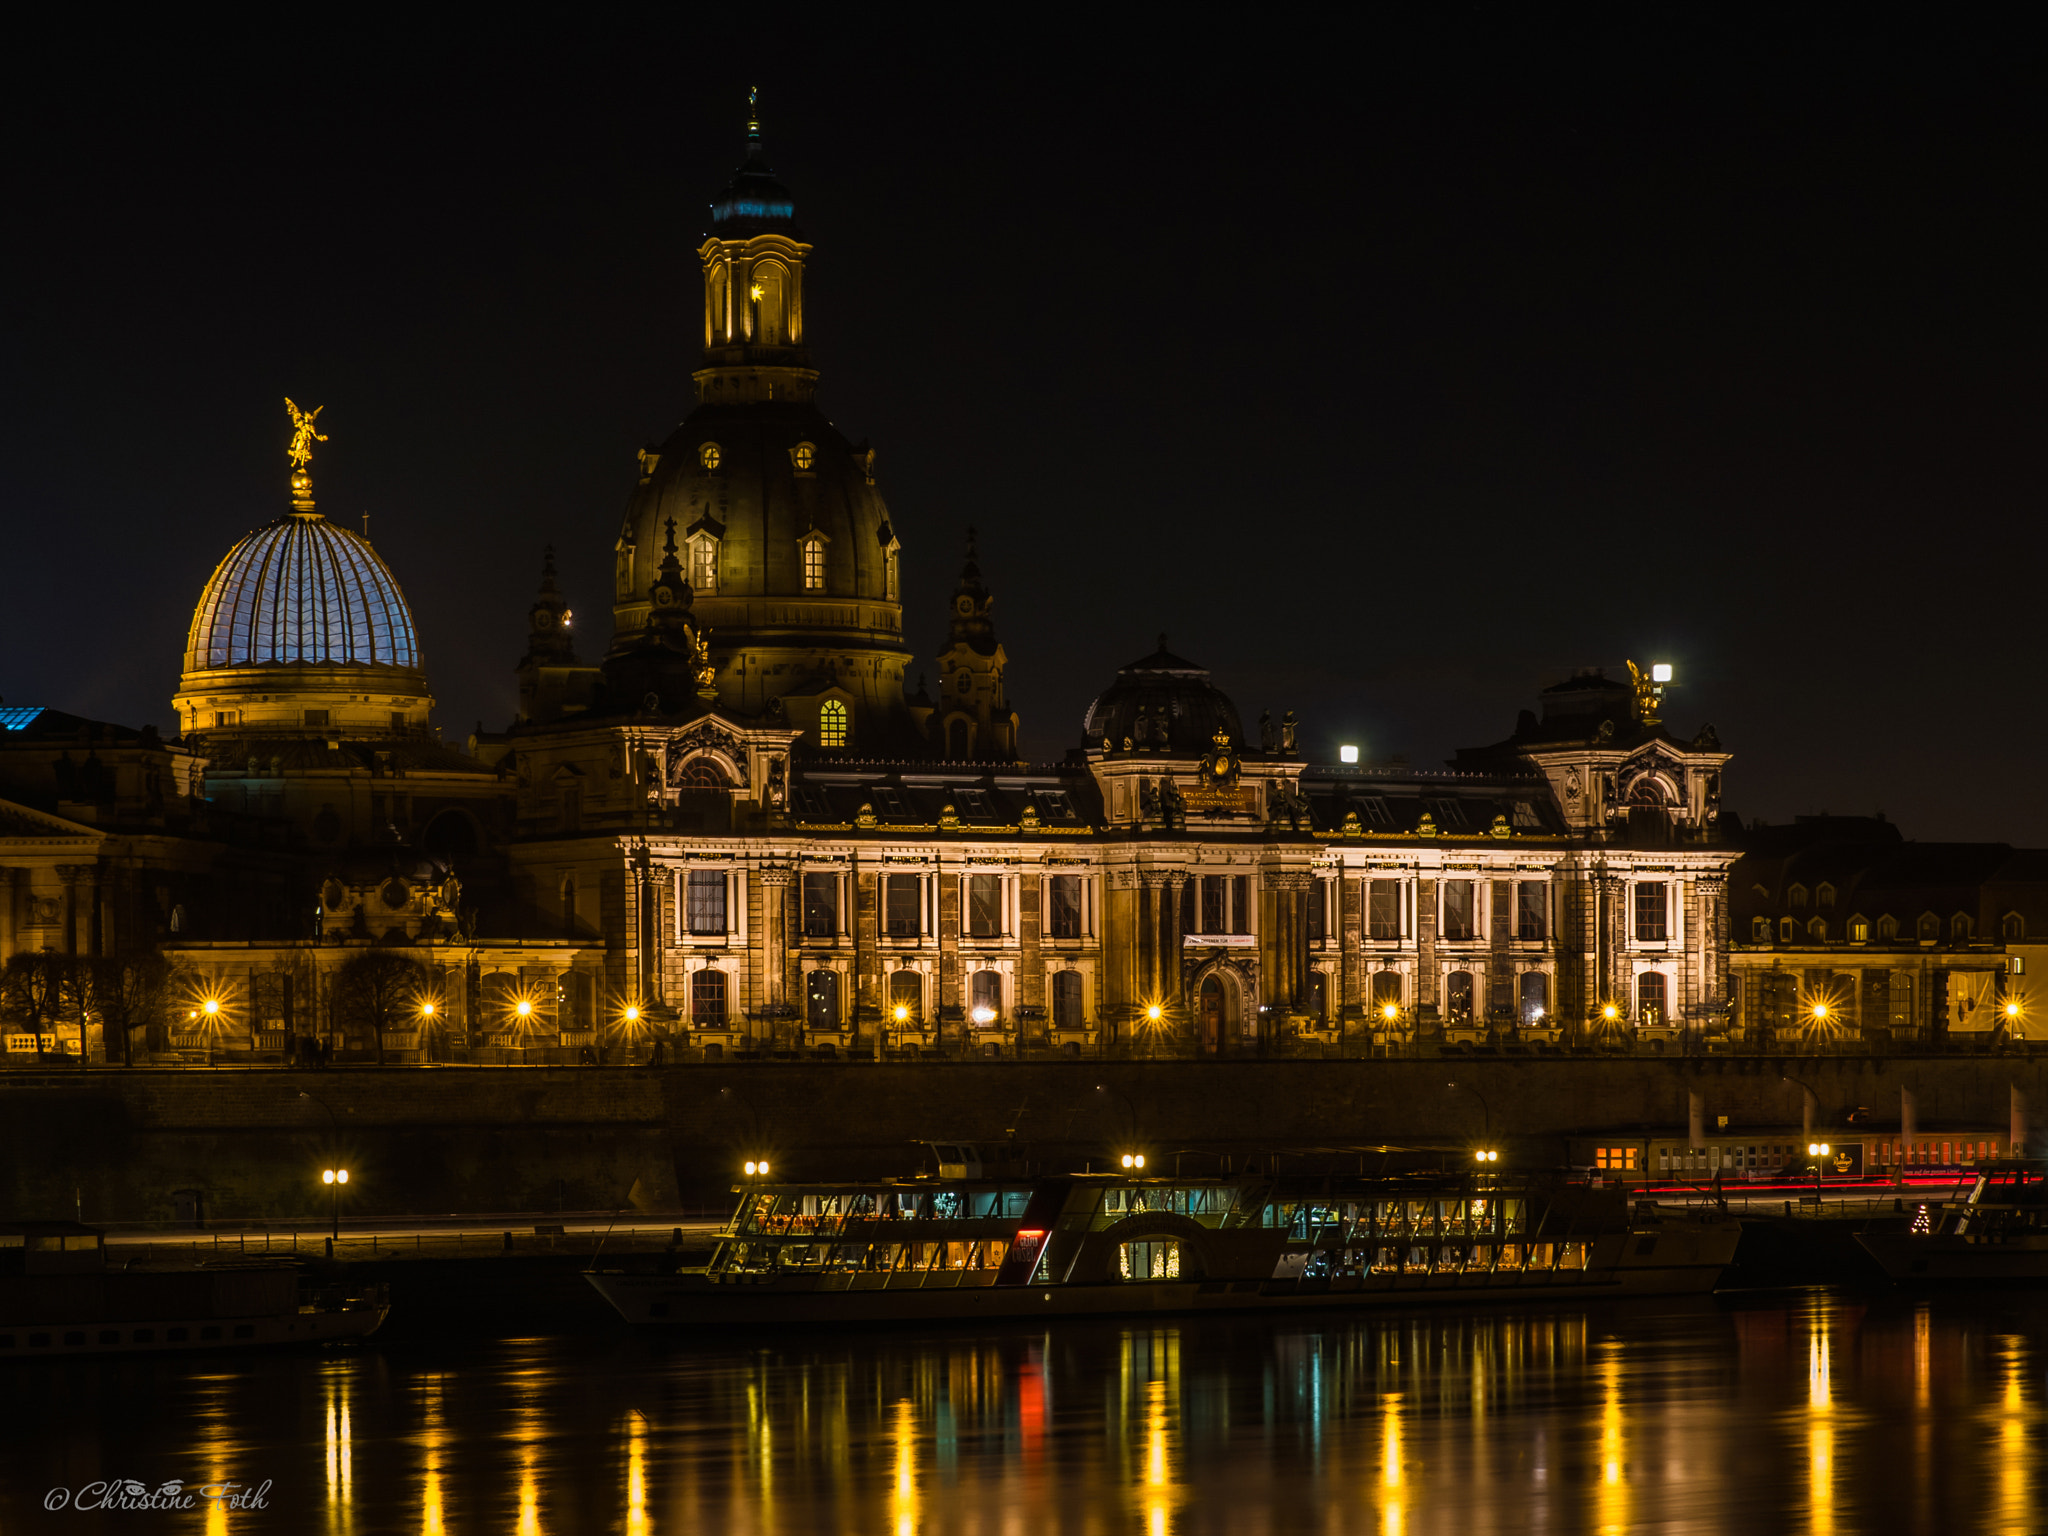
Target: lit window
832,724
708,455
704,566
803,455
1650,912
814,565
889,577
1859,930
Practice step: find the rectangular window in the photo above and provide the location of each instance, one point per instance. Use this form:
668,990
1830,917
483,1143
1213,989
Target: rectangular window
316,717
985,906
1384,918
398,720
901,903
1532,910
706,901
1215,903
572,808
1457,909
1318,912
704,567
814,565
1066,906
1650,908
707,996
1240,904
821,906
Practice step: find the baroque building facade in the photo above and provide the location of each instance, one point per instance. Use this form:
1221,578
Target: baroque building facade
737,832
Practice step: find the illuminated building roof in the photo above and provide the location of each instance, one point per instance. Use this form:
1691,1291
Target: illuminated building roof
302,591
19,718
1163,687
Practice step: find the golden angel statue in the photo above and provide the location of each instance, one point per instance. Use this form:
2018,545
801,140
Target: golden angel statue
304,433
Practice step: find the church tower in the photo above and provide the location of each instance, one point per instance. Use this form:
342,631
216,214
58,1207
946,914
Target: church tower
973,721
785,544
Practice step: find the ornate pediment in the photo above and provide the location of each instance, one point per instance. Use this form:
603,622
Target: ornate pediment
707,736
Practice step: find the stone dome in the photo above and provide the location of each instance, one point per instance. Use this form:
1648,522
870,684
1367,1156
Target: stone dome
1166,687
302,590
302,626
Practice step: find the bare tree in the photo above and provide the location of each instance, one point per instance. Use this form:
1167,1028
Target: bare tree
380,991
128,992
35,987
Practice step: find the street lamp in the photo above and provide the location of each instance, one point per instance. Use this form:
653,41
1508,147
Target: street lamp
1818,1151
334,1178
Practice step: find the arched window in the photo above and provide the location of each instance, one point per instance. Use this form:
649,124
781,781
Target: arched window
889,589
832,723
1760,930
1458,996
1066,999
985,996
906,991
707,996
704,565
1386,989
2013,928
1650,997
703,772
1533,988
821,999
1887,927
814,563
1959,927
770,297
1318,995
1817,930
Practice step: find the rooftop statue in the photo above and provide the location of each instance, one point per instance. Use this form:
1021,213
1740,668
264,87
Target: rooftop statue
304,433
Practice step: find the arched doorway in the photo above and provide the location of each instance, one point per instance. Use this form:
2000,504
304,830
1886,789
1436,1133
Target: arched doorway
1211,1012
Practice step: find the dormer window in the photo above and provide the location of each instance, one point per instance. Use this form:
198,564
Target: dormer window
814,562
1825,896
1887,927
704,564
1760,931
2013,928
832,722
1859,930
1796,897
1787,930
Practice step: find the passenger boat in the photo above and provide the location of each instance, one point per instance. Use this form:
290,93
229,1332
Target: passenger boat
59,1296
1999,1231
924,1248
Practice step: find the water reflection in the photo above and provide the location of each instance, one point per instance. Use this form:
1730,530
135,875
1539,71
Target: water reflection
1816,1414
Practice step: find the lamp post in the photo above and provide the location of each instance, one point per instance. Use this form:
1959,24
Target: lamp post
1818,1151
1486,1152
1130,1111
334,1178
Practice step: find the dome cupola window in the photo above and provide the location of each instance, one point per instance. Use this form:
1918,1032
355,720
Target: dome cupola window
805,457
708,456
814,561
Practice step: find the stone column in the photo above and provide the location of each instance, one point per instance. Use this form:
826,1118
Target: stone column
71,875
772,932
9,940
2019,1122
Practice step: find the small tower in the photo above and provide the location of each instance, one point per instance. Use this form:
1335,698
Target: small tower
551,682
972,721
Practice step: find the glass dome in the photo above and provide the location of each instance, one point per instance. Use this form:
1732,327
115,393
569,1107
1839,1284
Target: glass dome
302,591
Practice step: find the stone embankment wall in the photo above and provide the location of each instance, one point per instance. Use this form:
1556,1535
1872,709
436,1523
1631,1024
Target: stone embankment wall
120,1145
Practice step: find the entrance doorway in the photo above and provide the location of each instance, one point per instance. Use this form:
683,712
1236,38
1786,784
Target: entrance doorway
1212,1015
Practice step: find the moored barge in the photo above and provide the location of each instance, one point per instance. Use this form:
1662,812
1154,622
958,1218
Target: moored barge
923,1249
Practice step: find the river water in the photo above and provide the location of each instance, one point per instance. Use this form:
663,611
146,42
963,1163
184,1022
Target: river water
1797,1412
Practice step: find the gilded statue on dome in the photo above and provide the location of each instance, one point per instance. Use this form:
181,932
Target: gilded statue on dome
304,433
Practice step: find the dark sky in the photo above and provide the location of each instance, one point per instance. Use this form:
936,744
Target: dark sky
1393,369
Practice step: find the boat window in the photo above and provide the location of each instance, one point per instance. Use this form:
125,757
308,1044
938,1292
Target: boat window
1015,1201
946,1205
1154,1260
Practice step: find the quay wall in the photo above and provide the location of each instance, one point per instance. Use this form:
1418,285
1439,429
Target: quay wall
120,1145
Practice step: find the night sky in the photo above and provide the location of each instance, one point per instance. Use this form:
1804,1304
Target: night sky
1393,371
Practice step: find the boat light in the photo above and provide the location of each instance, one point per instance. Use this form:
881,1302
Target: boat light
1134,1159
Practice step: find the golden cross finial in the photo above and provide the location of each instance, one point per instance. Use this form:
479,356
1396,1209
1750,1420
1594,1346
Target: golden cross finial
304,433
754,111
